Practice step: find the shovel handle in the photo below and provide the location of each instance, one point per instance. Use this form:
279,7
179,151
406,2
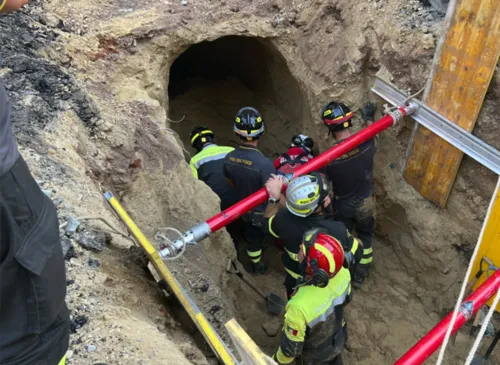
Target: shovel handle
492,345
251,285
240,272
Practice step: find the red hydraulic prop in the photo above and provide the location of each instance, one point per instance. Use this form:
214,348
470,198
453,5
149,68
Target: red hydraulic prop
424,348
202,230
237,210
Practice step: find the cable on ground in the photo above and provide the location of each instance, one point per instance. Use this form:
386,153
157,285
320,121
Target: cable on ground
113,229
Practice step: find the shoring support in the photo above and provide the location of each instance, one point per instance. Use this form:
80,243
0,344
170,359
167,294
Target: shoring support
428,344
204,229
215,342
463,66
441,126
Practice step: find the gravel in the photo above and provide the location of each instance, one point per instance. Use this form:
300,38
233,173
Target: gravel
39,89
415,14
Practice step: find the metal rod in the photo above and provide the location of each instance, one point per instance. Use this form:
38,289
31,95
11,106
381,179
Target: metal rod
232,213
443,127
424,348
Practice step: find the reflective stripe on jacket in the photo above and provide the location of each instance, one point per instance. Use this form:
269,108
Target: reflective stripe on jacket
207,166
212,152
290,228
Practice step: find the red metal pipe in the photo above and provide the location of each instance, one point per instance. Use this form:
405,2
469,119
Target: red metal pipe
203,229
424,348
237,210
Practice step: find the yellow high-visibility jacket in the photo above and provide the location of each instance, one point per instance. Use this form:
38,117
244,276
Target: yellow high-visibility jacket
314,319
207,166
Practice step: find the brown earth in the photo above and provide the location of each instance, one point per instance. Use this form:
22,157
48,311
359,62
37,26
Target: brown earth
143,61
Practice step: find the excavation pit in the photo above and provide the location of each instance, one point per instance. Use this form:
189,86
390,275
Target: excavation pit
208,83
309,53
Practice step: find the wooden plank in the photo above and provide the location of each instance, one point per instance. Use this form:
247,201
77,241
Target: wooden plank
460,77
248,350
489,245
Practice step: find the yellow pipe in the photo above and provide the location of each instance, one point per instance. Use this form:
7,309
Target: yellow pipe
189,305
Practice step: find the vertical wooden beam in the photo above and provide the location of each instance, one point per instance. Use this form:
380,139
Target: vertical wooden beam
461,74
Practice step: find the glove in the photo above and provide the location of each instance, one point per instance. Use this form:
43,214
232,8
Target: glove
368,111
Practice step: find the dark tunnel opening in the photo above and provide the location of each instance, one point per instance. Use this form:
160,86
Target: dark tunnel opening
211,81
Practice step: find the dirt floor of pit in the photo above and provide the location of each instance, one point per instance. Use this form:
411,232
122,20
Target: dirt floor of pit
387,316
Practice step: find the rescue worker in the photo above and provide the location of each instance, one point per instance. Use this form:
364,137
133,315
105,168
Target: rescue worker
307,200
34,319
207,164
313,327
299,153
247,169
352,179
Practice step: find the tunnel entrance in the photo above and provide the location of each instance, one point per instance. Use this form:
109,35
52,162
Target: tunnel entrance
211,81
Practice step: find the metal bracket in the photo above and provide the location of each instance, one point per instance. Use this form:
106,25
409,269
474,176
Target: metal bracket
443,127
466,309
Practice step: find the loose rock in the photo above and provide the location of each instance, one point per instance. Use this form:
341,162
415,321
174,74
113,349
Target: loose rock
272,327
428,41
68,248
94,263
91,348
77,323
72,226
93,240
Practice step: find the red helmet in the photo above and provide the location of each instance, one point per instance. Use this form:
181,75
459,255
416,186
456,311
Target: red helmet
323,253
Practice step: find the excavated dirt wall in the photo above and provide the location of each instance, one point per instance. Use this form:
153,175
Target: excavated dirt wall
92,84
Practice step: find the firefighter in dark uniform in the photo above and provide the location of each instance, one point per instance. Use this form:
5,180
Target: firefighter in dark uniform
307,199
207,164
247,169
313,328
352,179
34,319
299,153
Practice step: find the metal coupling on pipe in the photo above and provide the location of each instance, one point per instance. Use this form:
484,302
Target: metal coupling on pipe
466,309
412,108
192,236
397,116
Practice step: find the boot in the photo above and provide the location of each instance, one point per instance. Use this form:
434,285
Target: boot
259,268
360,274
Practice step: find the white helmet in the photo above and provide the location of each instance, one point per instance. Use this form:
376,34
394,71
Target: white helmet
301,140
305,194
